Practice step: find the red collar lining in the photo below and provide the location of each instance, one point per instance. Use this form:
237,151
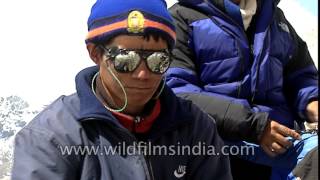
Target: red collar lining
145,122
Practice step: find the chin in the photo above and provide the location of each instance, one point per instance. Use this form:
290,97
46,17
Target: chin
141,100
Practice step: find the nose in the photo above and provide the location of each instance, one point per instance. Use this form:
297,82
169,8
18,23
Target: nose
142,72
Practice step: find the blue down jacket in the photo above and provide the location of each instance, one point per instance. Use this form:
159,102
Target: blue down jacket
80,120
267,68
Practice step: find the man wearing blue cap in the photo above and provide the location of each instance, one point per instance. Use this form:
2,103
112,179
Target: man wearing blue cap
123,122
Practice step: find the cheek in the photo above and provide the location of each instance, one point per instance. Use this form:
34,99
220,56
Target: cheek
156,82
157,79
108,78
124,78
108,66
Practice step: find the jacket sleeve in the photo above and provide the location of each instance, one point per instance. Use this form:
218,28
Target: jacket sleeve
234,120
234,117
36,157
211,163
300,76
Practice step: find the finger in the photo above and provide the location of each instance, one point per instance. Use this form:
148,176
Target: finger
277,148
283,141
288,132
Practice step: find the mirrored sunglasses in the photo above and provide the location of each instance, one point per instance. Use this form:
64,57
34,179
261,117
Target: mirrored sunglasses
128,60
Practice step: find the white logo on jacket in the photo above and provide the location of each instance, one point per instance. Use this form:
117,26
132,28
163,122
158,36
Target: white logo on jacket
284,27
180,172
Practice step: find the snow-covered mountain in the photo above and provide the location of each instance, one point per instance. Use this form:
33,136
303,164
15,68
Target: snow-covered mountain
14,114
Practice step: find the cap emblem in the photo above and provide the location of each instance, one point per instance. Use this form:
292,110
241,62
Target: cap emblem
135,22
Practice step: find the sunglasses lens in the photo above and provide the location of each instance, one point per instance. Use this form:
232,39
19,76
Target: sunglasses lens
126,61
158,62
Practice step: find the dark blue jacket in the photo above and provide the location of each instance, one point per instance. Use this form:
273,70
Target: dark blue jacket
267,68
80,120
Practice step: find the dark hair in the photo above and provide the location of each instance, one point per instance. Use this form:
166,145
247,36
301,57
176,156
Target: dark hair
156,36
146,35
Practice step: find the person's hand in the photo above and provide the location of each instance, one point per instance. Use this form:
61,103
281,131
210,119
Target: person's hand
273,140
312,112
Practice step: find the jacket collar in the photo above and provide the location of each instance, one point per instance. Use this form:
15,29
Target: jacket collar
90,106
217,8
222,5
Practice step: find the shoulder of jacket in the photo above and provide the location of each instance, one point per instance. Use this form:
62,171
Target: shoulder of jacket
58,122
282,22
188,13
279,15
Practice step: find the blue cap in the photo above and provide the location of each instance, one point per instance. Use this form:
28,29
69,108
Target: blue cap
110,18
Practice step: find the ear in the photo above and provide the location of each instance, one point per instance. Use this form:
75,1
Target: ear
94,53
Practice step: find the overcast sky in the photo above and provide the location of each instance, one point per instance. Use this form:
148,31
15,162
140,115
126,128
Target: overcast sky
42,44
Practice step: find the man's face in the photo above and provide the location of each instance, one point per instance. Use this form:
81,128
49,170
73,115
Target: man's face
141,84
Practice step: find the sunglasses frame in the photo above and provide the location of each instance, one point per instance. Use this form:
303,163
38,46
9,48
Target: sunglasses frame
113,52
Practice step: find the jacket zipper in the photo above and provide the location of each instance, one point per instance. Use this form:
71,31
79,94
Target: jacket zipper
241,72
137,120
134,139
148,160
